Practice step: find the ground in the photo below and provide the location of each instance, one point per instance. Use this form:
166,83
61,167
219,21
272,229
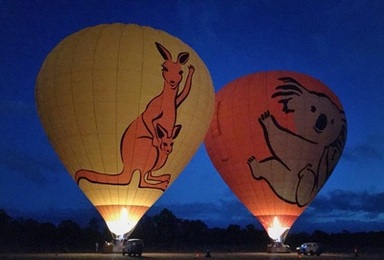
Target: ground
196,255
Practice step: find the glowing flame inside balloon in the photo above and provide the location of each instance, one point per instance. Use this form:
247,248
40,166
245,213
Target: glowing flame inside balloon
276,231
122,226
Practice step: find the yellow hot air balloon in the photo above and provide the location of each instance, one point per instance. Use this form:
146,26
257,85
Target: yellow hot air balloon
275,139
125,108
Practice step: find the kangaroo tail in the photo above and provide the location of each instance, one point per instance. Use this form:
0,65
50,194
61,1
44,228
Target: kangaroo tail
103,178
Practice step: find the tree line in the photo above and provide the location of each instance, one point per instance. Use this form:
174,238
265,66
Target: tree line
165,232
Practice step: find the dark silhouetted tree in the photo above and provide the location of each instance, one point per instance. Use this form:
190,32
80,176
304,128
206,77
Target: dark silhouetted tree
166,232
146,230
193,232
5,225
91,235
234,234
69,233
167,227
47,237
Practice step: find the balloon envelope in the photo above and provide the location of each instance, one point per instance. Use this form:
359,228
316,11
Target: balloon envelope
125,108
275,139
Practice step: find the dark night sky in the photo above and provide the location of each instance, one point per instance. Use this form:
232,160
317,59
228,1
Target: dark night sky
339,42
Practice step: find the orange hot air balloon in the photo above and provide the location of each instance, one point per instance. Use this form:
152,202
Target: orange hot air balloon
125,108
275,139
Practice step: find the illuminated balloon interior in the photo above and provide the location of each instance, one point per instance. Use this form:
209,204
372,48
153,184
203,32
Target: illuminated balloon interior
276,231
125,107
275,139
122,226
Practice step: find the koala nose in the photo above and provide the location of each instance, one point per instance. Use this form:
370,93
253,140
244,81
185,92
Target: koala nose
321,122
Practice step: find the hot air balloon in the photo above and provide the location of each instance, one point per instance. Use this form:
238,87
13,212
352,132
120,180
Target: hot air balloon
275,139
125,107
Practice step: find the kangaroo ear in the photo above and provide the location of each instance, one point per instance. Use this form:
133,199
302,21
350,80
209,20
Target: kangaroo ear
183,57
176,131
163,51
161,131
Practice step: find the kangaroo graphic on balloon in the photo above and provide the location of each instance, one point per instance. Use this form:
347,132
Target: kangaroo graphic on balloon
321,142
154,130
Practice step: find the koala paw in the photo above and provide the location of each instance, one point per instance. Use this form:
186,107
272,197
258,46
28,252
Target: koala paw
251,159
253,166
265,115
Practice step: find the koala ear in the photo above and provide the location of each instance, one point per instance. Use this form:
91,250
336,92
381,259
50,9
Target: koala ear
161,131
176,131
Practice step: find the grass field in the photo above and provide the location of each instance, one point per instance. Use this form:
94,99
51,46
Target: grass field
257,256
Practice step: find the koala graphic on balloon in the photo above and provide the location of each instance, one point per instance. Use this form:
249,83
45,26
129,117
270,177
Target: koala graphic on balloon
309,153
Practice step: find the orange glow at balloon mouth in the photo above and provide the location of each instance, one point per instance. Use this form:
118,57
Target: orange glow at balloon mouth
276,230
122,226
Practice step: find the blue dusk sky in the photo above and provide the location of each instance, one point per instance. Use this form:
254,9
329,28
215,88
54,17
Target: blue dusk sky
339,42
